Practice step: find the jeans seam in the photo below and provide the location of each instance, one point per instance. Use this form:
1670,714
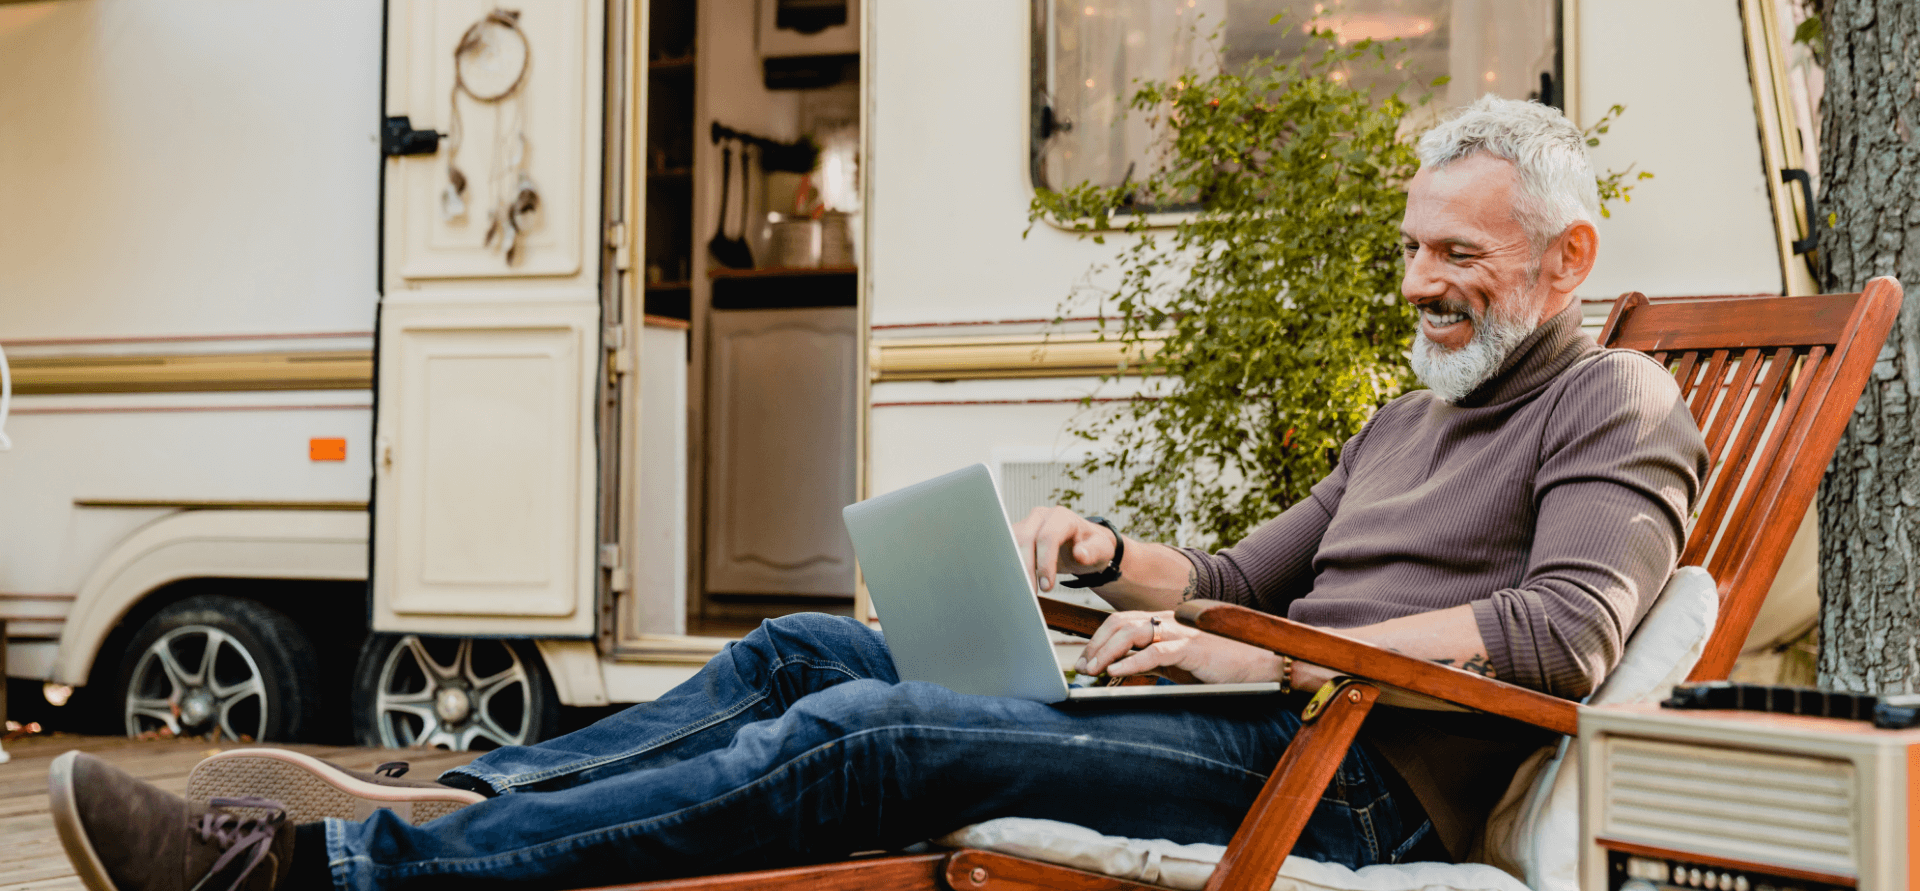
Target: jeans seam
503,782
779,772
1368,833
1413,838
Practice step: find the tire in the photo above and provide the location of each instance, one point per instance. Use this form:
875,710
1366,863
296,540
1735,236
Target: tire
452,693
216,664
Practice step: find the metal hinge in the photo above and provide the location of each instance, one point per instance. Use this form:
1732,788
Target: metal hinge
617,241
615,567
613,339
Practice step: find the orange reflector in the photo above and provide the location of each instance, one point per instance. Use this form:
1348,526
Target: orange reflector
327,449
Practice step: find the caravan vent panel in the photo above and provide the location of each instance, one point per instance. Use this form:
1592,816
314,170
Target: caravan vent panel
1025,485
1766,808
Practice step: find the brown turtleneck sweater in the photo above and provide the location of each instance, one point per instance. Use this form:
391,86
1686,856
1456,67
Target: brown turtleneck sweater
1553,499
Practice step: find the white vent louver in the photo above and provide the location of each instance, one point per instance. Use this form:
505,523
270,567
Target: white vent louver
1785,810
1025,485
1027,482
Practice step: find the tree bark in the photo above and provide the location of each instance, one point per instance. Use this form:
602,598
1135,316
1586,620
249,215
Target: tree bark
1870,499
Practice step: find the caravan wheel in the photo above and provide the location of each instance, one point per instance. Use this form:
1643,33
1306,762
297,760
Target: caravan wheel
219,667
452,693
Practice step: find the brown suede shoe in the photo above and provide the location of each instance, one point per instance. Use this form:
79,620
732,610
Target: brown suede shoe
125,835
311,789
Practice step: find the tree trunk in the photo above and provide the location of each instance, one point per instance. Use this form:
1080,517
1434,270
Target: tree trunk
1870,499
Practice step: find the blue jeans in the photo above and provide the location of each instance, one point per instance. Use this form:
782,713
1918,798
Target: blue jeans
800,744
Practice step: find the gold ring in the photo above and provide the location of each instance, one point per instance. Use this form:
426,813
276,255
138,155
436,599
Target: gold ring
1153,623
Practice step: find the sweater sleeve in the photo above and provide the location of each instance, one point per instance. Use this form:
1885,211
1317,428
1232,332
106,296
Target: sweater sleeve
1273,565
1621,464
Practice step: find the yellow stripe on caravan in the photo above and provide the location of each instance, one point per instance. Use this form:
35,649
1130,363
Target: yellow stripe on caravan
999,357
202,373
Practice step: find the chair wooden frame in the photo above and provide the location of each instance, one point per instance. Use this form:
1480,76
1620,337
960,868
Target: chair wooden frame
1771,380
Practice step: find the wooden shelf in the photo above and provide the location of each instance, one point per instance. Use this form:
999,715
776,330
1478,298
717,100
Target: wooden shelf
669,286
832,286
782,272
675,64
671,173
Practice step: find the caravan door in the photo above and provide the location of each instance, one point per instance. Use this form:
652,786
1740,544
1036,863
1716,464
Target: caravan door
490,351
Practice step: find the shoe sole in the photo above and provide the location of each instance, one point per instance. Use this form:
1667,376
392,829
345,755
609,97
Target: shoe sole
66,821
311,789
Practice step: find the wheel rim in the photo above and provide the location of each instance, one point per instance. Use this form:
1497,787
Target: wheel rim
197,680
453,694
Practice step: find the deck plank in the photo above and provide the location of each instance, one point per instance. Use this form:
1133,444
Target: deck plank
30,854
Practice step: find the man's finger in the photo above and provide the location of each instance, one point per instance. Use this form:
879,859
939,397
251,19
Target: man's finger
1113,624
1148,658
1046,551
1123,632
1143,636
1098,643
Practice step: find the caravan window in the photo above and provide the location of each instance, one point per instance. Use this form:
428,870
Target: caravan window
1087,55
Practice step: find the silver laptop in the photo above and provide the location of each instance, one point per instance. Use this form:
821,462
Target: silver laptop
954,599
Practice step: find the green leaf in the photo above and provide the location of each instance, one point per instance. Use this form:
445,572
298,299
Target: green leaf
1810,31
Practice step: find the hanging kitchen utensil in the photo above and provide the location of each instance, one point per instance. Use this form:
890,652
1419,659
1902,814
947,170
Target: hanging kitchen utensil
728,251
747,150
717,245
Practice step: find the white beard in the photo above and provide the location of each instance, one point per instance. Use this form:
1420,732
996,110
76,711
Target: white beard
1452,374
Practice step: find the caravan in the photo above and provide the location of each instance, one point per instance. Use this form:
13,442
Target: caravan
423,367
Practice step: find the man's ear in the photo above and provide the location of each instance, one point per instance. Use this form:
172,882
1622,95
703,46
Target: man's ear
1575,250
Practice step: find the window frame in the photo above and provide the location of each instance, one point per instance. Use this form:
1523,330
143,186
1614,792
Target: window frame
1040,114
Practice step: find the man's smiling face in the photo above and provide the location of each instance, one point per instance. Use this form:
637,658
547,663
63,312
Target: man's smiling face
1467,257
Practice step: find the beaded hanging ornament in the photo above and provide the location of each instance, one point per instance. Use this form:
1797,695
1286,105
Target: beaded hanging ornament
490,66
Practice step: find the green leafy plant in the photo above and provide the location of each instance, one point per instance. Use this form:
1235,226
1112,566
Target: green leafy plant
1267,322
1275,306
1614,184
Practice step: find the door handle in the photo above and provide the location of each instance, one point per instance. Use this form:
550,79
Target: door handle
1796,175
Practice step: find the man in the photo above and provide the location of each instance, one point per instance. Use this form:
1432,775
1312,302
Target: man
1515,519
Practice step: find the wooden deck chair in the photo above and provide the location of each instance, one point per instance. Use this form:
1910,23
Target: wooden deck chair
1772,381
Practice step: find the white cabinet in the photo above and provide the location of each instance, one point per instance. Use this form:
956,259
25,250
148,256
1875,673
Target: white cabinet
780,452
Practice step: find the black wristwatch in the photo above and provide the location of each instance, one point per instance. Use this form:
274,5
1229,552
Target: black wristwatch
1105,576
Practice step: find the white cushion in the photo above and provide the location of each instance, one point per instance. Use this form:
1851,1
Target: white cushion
1187,867
1534,831
1533,835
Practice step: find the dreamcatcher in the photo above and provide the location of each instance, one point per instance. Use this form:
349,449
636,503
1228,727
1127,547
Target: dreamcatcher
490,65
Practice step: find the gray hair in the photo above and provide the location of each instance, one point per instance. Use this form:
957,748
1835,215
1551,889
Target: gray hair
1557,184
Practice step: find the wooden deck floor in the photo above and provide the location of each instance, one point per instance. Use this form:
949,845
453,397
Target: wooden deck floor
30,855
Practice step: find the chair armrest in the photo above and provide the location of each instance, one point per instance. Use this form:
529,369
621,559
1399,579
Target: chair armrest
1363,660
1072,618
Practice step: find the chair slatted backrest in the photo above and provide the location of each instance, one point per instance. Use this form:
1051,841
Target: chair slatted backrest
1771,382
